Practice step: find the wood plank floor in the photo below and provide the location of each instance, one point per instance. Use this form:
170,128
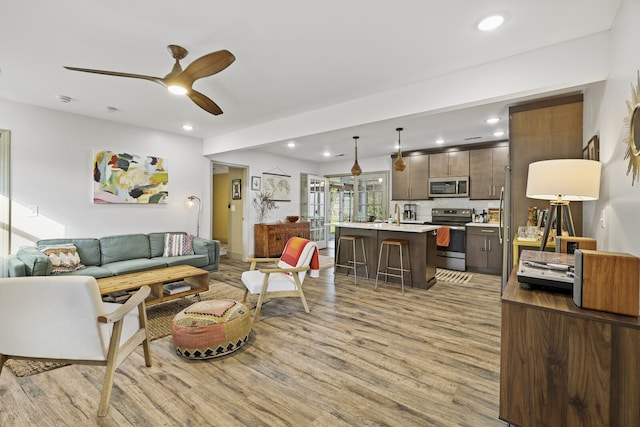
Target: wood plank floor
360,358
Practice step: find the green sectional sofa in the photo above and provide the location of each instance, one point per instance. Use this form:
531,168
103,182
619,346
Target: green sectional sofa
114,255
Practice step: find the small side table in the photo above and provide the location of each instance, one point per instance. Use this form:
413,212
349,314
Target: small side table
517,244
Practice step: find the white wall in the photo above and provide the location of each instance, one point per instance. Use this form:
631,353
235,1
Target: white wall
257,163
604,112
51,169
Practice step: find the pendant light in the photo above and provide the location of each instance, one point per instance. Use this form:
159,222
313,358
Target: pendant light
355,169
399,164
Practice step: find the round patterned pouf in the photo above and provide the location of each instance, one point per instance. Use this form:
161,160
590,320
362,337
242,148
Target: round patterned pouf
211,328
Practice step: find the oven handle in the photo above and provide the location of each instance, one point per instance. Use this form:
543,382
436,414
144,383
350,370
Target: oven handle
454,227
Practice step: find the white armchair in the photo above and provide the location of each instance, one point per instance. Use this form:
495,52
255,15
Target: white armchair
298,257
64,319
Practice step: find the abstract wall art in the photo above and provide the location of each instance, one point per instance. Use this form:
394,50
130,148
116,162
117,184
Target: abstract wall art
129,178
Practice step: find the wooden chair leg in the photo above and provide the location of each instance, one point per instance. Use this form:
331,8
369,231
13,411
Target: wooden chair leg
263,292
3,359
112,361
244,296
146,344
299,287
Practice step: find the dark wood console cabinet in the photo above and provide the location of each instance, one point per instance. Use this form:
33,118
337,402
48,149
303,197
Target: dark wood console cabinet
269,239
565,366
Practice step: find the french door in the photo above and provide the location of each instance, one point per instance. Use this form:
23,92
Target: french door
314,207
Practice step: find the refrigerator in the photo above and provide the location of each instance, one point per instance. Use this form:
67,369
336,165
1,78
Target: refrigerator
505,227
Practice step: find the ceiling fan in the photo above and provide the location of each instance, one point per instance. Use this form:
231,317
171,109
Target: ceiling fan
179,81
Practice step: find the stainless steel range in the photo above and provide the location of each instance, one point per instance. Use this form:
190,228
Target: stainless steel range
453,256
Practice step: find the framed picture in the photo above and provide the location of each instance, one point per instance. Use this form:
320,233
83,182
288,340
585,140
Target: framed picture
256,182
592,150
278,186
236,189
129,178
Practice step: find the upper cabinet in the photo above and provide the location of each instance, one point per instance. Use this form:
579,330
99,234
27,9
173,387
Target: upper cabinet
412,183
454,163
486,172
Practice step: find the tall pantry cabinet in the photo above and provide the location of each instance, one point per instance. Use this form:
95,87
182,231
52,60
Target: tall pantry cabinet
542,130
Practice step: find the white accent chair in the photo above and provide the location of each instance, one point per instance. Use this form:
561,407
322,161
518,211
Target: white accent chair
283,281
64,319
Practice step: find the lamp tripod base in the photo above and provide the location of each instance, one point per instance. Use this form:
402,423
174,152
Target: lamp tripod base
559,212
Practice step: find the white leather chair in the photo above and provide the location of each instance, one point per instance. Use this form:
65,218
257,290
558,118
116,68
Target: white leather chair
64,319
298,257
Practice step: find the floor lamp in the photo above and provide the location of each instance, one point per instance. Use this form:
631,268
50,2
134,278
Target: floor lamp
562,181
191,201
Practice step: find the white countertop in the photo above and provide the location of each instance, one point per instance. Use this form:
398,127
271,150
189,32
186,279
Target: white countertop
409,228
482,224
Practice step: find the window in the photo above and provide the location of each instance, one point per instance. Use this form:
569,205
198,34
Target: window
359,199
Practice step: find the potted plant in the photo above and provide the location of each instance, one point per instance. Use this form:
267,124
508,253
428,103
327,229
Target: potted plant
264,204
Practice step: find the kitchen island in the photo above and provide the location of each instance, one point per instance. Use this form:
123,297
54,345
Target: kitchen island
422,244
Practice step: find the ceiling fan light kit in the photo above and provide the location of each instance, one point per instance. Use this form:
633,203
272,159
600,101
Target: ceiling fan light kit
399,164
180,81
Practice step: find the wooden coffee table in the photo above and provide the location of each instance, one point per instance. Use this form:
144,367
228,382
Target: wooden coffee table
197,278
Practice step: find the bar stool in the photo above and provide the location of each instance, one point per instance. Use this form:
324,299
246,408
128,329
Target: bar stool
401,271
352,261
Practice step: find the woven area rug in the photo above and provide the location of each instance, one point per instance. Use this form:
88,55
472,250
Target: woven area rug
452,276
159,319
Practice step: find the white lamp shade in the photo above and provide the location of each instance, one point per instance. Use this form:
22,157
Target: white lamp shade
570,179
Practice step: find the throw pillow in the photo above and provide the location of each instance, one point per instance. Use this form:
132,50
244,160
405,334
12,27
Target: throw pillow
64,258
177,244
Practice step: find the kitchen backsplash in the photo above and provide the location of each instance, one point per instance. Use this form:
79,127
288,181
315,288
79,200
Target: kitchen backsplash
423,212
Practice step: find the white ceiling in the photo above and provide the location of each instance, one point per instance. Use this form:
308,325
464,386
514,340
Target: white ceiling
292,57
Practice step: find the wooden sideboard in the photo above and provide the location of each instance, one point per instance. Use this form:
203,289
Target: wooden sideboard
565,366
269,239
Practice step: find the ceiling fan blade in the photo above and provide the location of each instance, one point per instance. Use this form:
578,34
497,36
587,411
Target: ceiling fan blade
117,74
206,66
204,102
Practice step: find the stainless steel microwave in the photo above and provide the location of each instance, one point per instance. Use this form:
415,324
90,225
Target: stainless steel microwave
450,186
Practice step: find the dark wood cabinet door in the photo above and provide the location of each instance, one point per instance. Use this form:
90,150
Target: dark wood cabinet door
476,255
481,173
438,165
542,130
459,163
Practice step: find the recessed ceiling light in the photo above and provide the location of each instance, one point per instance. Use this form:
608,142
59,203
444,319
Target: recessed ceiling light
491,22
291,144
187,127
498,133
492,120
326,154
439,141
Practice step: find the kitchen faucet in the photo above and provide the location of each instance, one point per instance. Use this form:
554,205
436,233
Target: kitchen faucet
396,210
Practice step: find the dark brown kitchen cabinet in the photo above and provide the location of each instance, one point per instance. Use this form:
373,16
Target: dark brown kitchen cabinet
542,130
454,163
486,172
269,239
484,251
412,183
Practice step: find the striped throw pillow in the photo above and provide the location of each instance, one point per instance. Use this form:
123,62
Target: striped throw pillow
177,244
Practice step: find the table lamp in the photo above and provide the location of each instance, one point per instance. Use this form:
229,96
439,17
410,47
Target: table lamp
562,181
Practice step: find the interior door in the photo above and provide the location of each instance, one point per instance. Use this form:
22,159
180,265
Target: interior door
317,209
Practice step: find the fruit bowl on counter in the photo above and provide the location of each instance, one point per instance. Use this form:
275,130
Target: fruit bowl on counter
292,218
